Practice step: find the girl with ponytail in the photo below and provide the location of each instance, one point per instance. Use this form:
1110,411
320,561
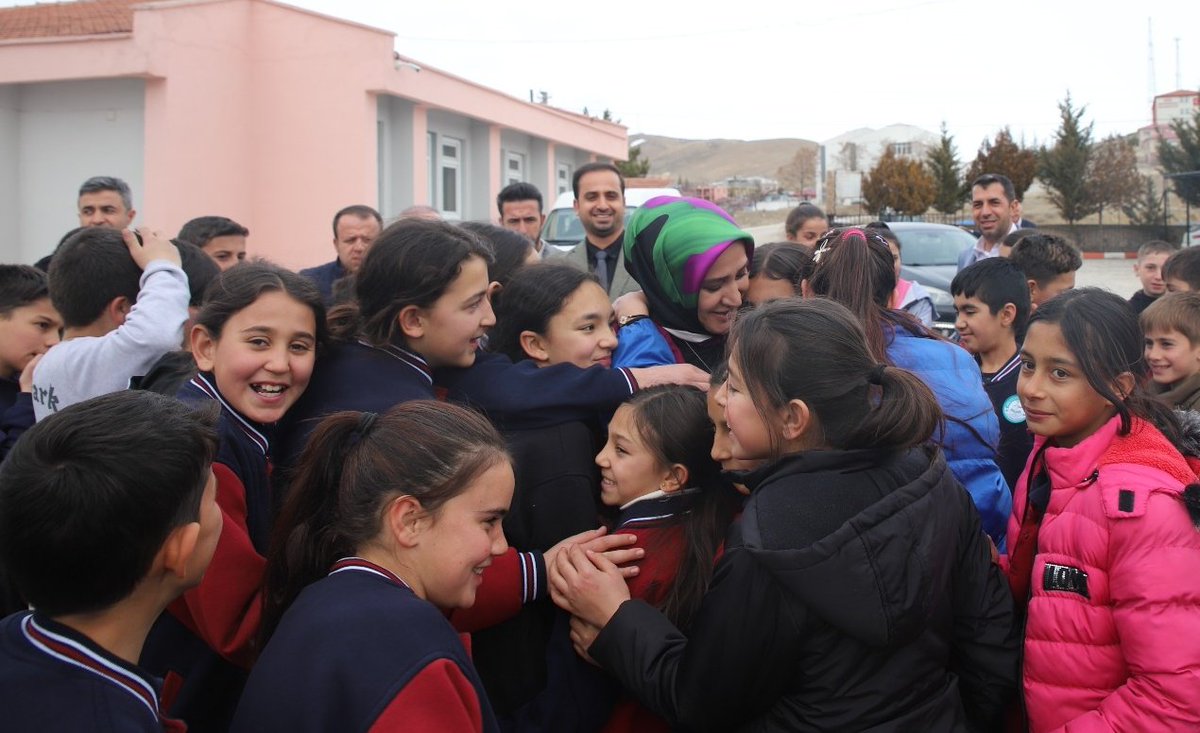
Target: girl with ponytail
856,591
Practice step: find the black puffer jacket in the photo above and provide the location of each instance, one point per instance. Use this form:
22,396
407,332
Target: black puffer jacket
857,593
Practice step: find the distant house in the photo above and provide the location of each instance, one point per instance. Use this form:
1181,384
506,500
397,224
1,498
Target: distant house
1178,106
843,160
259,111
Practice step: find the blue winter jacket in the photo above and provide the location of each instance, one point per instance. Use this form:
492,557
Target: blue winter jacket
971,429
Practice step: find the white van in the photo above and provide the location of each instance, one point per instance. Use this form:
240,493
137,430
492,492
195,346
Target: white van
563,229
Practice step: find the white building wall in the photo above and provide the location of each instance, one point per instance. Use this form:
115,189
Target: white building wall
396,162
66,132
10,175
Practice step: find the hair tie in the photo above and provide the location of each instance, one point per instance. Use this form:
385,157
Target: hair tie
875,376
365,421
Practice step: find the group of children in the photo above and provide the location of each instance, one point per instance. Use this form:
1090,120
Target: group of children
423,509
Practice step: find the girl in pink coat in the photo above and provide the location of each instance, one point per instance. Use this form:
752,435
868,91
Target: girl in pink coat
1103,554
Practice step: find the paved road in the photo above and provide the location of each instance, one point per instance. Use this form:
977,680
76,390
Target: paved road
1114,275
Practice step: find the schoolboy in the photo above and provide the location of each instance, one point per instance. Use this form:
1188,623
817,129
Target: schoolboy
992,300
29,326
123,303
1171,327
1150,259
219,237
1181,271
107,513
1049,263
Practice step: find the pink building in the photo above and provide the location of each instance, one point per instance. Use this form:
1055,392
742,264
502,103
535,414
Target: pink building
271,115
1178,106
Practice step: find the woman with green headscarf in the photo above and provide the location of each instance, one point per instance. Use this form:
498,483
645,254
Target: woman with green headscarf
691,260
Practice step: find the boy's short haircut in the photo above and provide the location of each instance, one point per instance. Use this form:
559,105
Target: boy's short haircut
94,266
20,285
996,282
201,270
1174,312
1043,257
89,495
1156,247
1011,239
1184,265
203,229
90,269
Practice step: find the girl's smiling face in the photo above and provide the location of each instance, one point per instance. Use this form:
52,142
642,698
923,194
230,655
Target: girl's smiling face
448,332
580,333
749,436
628,468
1058,400
264,356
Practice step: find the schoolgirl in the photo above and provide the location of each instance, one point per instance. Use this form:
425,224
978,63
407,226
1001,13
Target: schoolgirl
857,591
255,342
389,525
1103,554
776,271
855,268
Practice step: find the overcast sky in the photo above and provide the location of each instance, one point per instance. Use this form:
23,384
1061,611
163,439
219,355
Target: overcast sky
781,68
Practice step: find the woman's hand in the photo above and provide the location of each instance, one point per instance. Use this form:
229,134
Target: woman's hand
26,379
631,304
617,548
586,584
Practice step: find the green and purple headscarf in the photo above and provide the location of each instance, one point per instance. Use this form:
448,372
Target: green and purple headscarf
670,244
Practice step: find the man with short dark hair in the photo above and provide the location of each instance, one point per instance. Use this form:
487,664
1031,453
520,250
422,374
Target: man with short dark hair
600,203
354,229
105,201
520,207
994,207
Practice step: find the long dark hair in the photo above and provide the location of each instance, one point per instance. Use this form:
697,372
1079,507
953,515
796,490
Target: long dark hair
672,422
533,296
1103,334
511,249
773,345
411,263
855,267
352,467
787,261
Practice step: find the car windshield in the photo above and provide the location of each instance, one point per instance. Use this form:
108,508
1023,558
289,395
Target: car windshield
564,227
933,246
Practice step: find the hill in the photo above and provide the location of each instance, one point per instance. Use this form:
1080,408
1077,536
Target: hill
705,161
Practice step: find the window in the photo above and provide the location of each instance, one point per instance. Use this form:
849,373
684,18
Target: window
449,174
562,183
514,168
902,148
430,157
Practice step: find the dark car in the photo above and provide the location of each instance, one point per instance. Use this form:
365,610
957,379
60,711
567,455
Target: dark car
929,255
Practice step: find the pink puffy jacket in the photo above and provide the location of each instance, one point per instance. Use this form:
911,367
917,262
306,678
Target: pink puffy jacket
1112,639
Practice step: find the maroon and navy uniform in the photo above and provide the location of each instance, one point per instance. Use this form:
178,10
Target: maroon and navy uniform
359,651
206,635
53,678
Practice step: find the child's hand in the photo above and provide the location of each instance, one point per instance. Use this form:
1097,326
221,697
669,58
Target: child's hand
585,584
615,547
631,304
26,380
154,246
582,636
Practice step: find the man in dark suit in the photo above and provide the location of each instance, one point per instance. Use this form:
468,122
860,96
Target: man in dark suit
600,204
354,228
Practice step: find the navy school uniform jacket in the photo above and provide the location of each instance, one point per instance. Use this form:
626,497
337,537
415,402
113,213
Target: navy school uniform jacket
1016,442
359,651
52,678
206,635
16,416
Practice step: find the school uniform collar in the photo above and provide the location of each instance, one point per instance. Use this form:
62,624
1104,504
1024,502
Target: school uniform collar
257,432
1004,371
656,506
404,355
359,565
72,648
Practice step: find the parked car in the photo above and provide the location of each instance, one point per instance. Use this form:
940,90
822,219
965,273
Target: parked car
563,229
929,255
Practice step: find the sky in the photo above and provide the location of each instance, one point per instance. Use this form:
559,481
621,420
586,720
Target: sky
760,69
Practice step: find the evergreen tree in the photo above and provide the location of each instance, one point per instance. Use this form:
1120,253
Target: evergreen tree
636,166
1065,167
1183,157
942,161
1145,209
